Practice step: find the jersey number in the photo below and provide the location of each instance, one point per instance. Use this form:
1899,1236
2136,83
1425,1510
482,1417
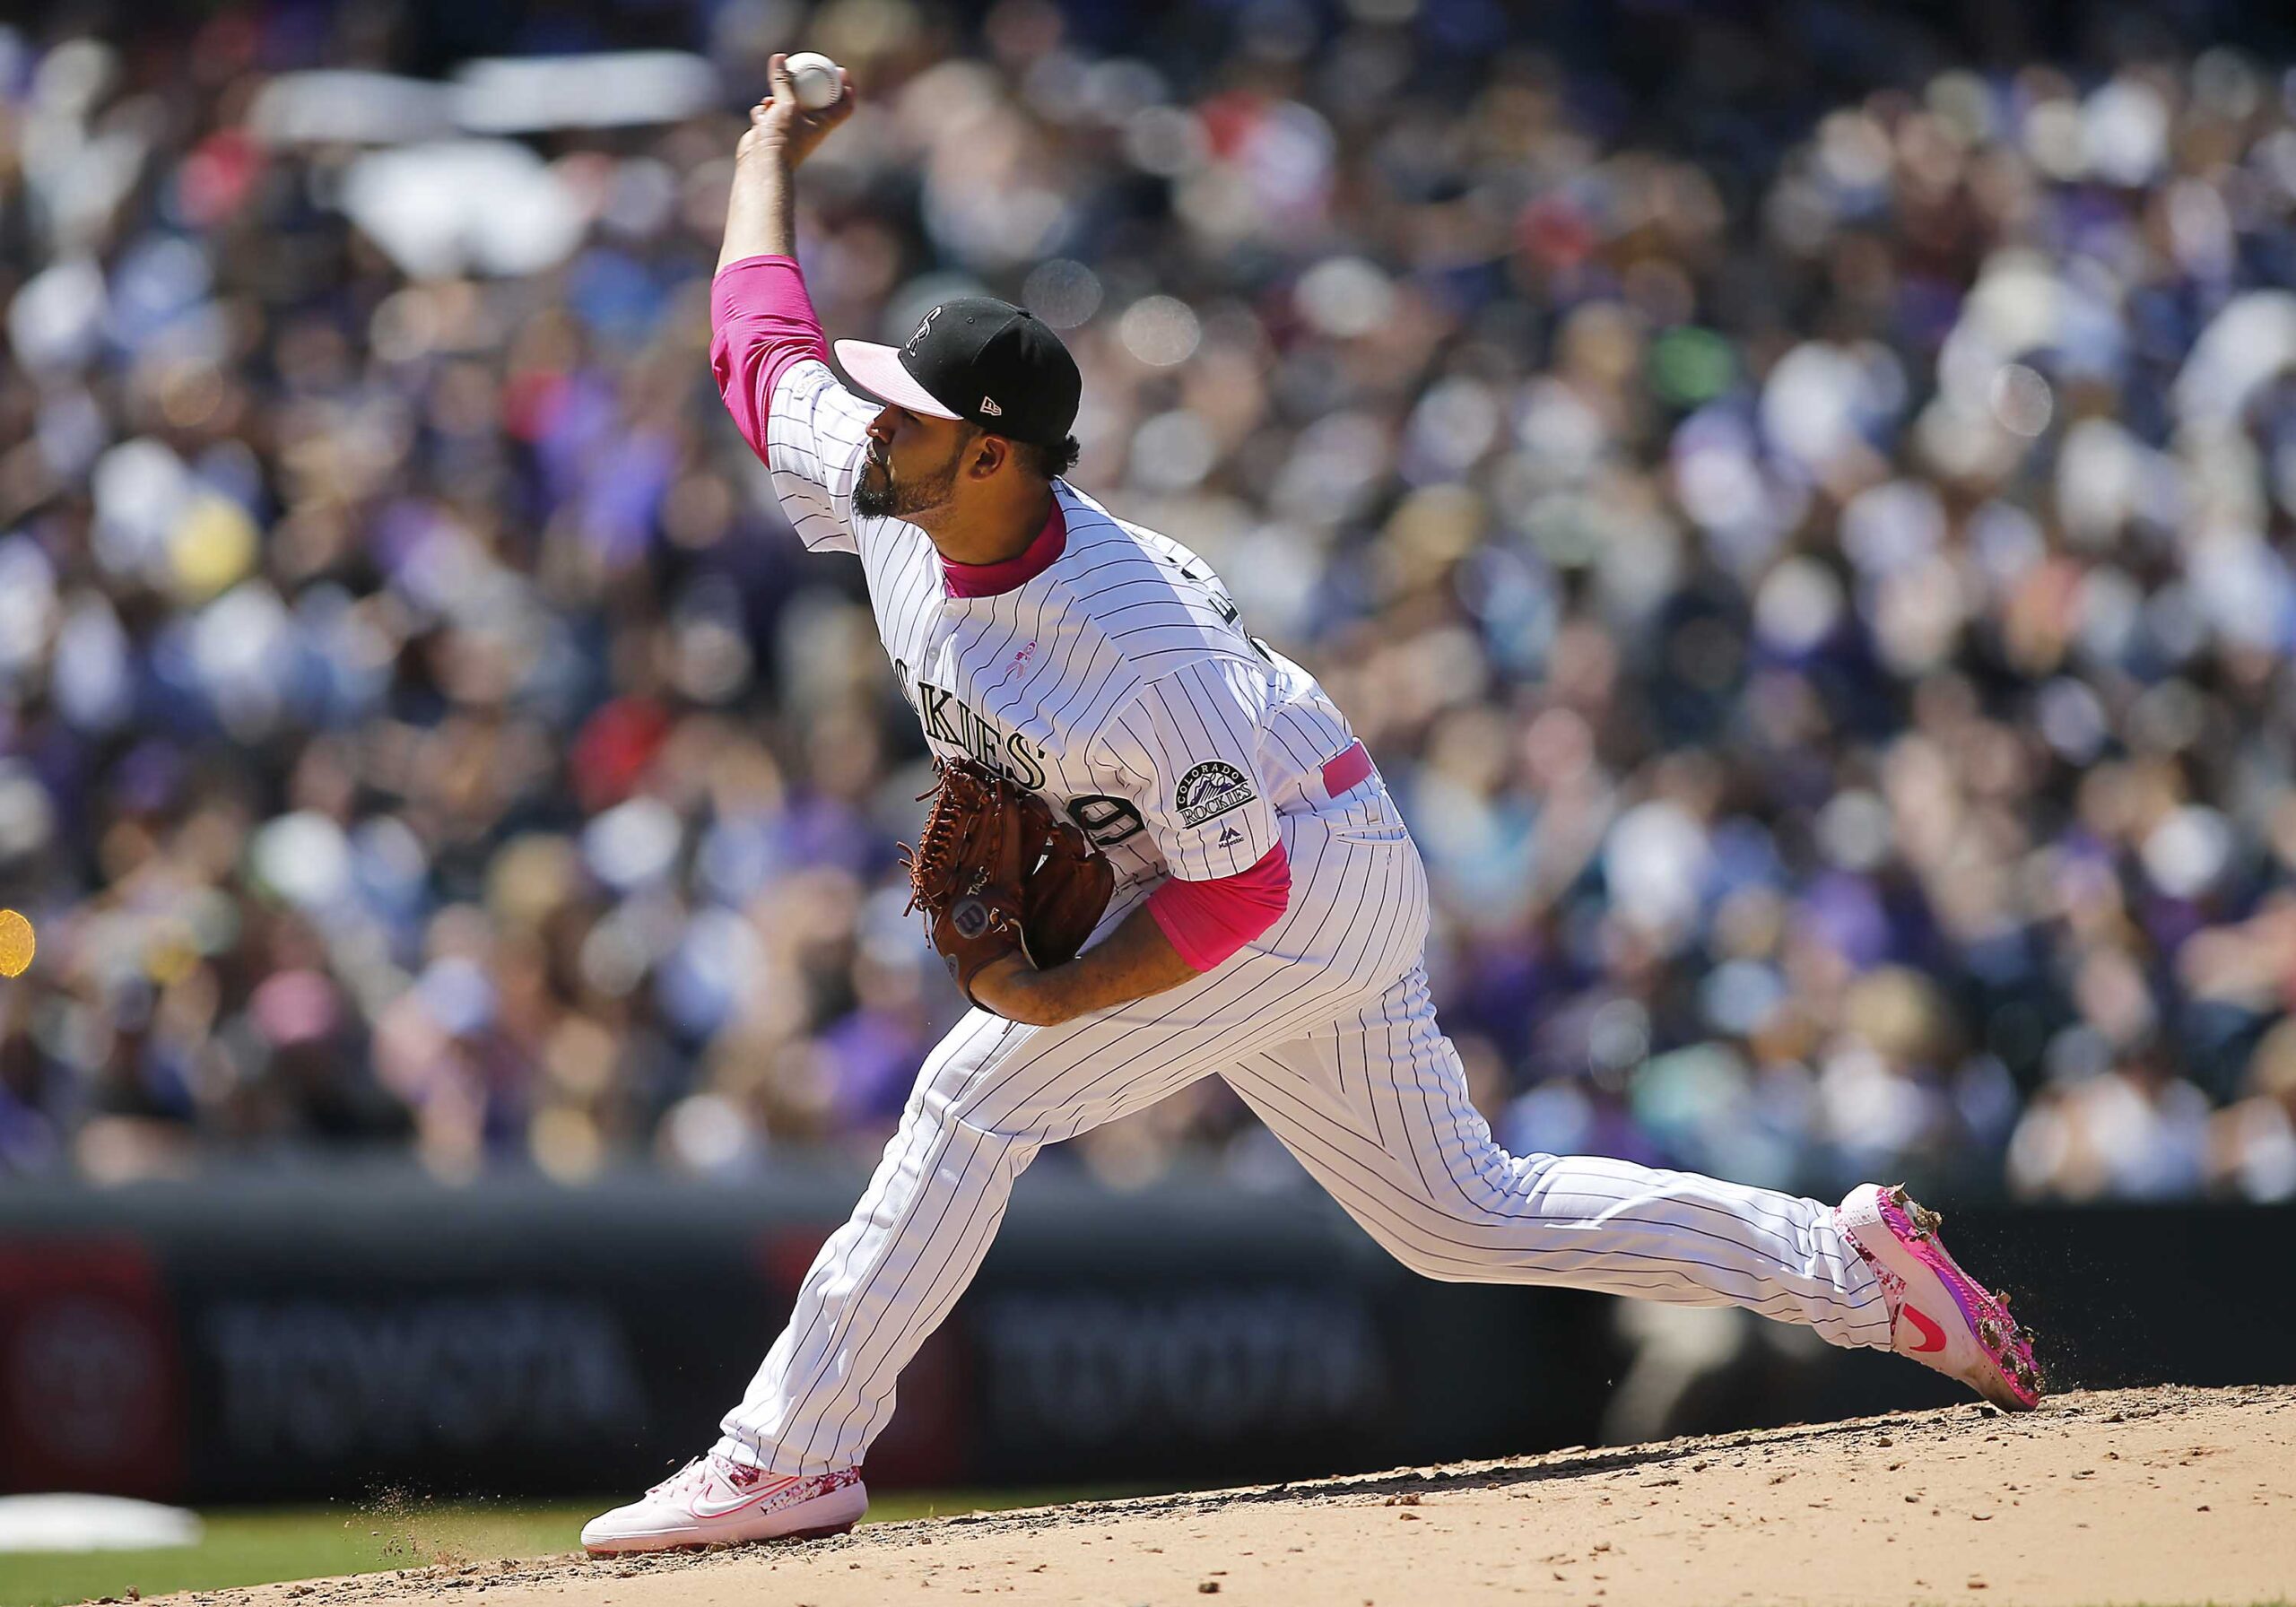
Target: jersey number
1224,604
1107,820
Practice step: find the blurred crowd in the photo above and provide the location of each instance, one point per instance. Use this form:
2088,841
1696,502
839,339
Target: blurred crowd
1812,562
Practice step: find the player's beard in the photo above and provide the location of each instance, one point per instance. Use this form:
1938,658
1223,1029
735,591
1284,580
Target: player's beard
878,495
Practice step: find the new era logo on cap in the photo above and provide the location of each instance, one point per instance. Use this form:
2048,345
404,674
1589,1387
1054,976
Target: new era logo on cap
975,346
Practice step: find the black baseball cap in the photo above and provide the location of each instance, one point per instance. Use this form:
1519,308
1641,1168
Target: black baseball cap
980,360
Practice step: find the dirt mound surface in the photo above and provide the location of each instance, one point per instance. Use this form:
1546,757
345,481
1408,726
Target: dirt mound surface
2156,1496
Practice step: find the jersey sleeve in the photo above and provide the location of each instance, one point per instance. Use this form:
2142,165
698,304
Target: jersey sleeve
1187,747
770,362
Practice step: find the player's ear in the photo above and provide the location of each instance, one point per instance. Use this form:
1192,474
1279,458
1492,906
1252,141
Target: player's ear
990,452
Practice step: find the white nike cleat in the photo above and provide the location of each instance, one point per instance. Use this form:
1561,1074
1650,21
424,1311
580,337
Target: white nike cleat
714,1500
1938,1314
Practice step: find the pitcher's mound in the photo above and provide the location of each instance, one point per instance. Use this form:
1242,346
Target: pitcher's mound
2156,1496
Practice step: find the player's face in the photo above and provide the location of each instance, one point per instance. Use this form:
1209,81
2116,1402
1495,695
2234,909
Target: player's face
910,469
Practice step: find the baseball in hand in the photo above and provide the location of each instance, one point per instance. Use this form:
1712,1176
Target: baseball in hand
815,79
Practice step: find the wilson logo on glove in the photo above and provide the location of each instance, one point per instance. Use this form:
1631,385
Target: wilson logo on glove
969,918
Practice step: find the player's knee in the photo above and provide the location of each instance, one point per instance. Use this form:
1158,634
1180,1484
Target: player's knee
1449,1228
1415,1235
1429,1261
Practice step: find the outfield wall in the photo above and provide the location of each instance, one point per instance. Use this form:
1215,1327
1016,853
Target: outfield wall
341,1335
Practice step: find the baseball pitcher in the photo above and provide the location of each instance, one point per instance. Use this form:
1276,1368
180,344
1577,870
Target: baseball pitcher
1126,769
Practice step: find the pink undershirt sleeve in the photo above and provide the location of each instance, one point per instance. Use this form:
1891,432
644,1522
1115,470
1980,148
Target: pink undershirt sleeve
760,323
1208,921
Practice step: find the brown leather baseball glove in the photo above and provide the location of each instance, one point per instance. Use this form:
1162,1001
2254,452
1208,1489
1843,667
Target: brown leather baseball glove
995,871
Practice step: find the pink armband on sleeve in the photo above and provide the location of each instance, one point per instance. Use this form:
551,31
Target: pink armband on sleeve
761,322
1208,921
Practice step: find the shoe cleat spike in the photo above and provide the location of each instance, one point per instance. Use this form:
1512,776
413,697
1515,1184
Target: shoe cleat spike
2002,1295
1989,1331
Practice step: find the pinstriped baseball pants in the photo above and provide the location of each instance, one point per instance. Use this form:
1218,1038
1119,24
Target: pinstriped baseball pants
1325,1028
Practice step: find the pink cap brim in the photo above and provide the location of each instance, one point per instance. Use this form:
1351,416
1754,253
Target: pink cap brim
878,370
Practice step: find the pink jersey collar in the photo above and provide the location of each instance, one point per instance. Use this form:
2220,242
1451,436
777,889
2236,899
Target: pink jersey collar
987,580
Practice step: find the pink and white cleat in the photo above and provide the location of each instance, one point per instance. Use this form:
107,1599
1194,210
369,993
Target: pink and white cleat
1938,1314
714,1500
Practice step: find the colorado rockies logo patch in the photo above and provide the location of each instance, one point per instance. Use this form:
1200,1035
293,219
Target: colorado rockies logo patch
1211,790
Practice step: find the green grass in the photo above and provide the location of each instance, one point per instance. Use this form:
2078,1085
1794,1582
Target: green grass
261,1546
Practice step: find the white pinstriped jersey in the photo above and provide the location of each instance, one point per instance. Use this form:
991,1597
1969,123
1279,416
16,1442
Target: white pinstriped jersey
1117,683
